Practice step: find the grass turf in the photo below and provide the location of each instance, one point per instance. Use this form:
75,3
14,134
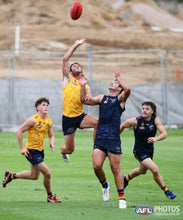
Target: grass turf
78,188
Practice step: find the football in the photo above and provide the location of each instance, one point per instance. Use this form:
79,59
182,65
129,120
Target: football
76,10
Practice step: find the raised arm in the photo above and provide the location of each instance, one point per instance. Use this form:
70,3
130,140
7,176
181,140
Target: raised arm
86,97
68,55
83,92
126,89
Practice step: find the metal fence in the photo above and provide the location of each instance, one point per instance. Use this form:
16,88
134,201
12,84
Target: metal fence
173,64
153,74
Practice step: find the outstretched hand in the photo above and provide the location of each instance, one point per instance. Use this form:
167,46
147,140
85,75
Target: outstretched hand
81,41
116,72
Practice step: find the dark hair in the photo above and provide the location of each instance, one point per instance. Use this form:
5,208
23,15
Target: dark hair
40,100
153,106
77,64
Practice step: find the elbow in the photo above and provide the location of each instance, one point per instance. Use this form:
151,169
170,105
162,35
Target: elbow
121,129
82,100
64,59
127,93
165,135
17,132
128,90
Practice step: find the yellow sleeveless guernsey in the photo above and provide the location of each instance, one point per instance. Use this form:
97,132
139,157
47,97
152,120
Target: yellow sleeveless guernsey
36,134
72,106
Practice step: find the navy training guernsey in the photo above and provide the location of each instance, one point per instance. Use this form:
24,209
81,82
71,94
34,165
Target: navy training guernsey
110,113
142,132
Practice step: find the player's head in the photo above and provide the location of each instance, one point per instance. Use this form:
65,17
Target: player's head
76,68
152,106
40,101
115,85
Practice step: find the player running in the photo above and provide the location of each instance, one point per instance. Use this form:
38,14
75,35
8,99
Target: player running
37,127
145,127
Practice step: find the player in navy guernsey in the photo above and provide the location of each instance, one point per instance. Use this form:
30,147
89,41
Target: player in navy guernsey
145,127
110,112
107,141
142,132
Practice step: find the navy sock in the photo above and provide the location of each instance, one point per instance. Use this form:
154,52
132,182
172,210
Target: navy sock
104,183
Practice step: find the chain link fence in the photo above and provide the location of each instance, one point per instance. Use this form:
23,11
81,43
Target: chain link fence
153,74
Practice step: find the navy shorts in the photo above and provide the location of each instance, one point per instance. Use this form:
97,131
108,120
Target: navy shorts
108,145
35,156
69,125
140,155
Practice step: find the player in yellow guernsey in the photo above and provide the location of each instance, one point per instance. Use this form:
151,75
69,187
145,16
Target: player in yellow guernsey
71,97
37,127
37,133
73,113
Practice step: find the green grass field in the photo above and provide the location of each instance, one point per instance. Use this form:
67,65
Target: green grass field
78,188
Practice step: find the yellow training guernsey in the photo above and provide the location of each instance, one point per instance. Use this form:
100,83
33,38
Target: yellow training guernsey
36,134
72,106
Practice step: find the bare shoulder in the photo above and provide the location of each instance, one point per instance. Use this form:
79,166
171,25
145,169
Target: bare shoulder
99,98
133,121
157,121
30,121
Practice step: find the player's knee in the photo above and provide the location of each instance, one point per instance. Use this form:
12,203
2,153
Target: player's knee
96,167
95,124
155,171
115,170
47,175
